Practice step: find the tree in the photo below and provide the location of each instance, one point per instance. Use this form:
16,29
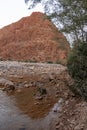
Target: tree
74,18
71,14
33,3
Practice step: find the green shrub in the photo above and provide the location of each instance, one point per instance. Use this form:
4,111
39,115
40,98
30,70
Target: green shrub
50,62
77,61
77,67
33,61
80,88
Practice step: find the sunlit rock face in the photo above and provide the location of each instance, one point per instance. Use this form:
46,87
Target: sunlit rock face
33,38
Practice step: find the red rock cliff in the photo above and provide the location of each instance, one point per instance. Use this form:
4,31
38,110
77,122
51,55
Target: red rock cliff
33,38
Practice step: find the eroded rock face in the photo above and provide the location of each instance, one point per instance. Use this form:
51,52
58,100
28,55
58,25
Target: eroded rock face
33,38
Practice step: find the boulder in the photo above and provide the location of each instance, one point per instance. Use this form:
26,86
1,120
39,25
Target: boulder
7,85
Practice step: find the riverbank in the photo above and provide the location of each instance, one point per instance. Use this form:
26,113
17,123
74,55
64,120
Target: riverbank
41,92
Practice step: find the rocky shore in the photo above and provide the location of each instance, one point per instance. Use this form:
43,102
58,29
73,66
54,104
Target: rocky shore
39,88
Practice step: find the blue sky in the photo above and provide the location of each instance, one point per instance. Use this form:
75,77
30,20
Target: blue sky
13,10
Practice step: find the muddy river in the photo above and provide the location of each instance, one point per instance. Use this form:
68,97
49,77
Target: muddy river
12,118
20,111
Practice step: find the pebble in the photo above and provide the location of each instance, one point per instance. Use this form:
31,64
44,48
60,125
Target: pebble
26,86
56,96
36,103
18,90
57,127
39,98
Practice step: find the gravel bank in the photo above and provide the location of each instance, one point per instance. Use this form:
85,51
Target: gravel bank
14,68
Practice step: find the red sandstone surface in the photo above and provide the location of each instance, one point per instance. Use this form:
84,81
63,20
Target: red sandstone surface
33,38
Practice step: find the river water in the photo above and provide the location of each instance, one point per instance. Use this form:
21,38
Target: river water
12,118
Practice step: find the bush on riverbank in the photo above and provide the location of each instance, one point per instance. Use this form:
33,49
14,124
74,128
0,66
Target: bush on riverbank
77,67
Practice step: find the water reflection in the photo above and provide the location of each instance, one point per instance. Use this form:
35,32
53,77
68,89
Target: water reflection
11,118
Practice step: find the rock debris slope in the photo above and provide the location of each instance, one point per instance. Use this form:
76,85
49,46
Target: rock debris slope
33,38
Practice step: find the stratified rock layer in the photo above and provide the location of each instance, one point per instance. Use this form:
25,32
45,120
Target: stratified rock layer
33,38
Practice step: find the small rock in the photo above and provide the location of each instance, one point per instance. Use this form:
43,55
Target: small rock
66,95
21,77
51,76
49,104
57,85
39,98
55,107
9,88
26,86
60,100
25,82
57,123
36,103
32,84
6,82
79,127
56,96
57,92
67,102
57,127
18,90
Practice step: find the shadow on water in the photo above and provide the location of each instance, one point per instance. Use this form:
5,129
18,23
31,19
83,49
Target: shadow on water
11,118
